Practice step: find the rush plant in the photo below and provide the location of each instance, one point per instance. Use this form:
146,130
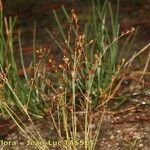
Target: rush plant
85,80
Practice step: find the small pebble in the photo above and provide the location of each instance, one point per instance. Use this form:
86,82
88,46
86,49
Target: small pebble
118,131
141,145
112,137
137,135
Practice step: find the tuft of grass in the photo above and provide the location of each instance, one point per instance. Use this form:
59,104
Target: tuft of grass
18,92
